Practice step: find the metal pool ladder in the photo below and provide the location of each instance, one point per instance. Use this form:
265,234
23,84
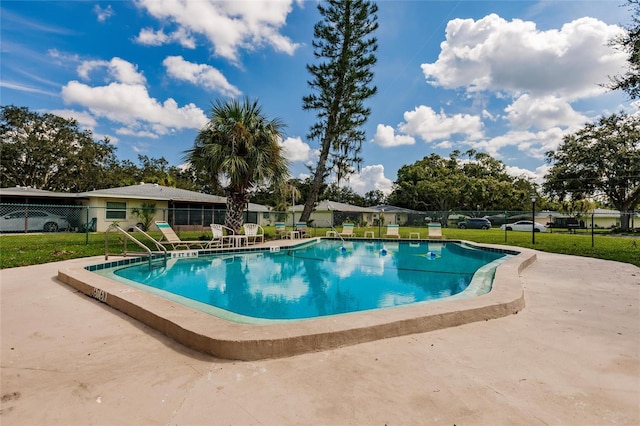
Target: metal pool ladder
161,250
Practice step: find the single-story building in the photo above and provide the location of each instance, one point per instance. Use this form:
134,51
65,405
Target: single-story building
98,209
602,218
183,209
331,213
394,215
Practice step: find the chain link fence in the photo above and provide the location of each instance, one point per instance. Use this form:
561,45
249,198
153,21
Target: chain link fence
30,218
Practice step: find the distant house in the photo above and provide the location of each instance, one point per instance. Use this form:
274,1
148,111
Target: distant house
331,213
394,215
602,218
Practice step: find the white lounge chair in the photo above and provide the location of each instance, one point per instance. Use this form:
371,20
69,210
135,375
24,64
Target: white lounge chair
393,231
281,230
347,230
435,230
169,237
301,227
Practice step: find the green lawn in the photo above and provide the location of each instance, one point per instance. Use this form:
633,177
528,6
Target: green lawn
23,250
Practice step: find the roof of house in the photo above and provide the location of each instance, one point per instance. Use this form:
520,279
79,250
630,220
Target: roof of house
153,191
25,191
258,208
393,209
326,205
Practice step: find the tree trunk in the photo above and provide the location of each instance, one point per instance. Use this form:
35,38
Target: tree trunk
624,220
236,203
318,180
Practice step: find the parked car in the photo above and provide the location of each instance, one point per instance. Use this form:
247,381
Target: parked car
524,225
36,220
501,219
475,223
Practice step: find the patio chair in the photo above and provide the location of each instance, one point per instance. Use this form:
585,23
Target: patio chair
169,237
347,230
281,230
221,236
393,231
435,230
90,226
253,232
301,227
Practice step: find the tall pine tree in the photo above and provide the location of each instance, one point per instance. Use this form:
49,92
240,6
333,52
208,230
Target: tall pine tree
345,48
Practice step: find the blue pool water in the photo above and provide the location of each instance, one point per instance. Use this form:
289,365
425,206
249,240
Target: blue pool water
325,278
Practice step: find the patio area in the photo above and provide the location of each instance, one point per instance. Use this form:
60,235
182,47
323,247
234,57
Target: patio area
571,357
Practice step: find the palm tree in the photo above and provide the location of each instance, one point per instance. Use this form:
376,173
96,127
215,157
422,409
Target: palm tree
239,147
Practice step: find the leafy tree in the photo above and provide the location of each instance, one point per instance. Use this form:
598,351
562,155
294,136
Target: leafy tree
45,151
239,146
600,160
374,198
629,43
439,184
286,196
341,83
342,194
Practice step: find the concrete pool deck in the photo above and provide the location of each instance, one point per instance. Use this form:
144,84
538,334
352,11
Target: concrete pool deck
571,356
222,334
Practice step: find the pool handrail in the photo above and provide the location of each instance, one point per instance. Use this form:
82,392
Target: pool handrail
149,253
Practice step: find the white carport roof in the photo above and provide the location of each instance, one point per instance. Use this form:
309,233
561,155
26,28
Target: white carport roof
152,191
25,191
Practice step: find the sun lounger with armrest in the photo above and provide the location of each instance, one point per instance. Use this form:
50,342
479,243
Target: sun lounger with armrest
169,237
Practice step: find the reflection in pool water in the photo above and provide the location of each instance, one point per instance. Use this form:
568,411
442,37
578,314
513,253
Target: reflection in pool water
326,278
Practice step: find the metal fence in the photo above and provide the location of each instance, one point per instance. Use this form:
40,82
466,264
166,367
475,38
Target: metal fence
29,218
25,218
20,218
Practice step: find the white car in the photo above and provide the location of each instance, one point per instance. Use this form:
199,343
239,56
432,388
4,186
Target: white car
36,220
524,225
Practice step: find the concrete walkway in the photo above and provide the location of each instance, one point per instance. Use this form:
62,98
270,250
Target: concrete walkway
571,357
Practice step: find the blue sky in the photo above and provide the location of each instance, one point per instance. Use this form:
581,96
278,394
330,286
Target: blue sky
509,78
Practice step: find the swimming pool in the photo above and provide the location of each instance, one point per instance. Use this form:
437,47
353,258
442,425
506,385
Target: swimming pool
217,332
322,278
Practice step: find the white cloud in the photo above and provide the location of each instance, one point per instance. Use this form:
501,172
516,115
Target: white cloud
103,14
126,100
23,88
385,136
430,126
85,120
370,178
126,131
199,75
532,144
537,175
149,37
131,105
497,55
229,26
117,69
542,113
296,150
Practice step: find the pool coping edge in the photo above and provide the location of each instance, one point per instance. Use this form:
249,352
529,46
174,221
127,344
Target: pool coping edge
224,339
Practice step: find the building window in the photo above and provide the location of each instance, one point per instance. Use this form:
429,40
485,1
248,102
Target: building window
116,210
